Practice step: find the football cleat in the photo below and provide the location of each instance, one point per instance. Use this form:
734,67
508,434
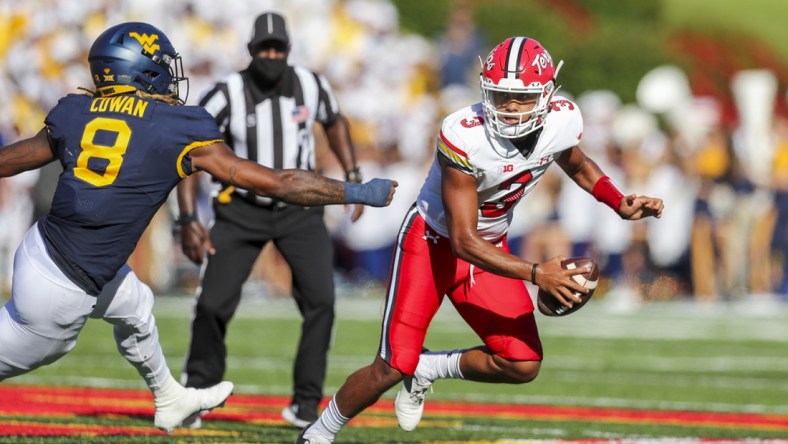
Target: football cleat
409,403
315,439
194,421
189,402
291,415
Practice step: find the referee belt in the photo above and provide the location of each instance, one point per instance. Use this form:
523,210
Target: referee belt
230,193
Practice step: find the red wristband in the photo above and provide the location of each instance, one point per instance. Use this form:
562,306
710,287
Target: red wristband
608,193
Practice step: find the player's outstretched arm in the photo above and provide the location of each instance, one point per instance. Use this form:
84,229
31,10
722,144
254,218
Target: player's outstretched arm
25,155
294,186
587,174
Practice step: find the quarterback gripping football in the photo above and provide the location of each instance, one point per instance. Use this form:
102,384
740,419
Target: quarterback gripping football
550,306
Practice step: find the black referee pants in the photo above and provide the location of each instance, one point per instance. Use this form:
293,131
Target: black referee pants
240,231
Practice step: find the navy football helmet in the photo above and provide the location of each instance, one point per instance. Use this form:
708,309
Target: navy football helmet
135,56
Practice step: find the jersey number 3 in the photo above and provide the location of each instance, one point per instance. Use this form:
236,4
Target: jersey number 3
501,206
112,154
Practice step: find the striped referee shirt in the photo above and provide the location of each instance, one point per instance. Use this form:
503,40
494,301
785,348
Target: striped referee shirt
274,127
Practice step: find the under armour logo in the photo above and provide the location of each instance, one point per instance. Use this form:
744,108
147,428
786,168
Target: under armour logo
428,236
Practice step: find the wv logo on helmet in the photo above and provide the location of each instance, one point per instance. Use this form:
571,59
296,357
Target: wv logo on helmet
148,42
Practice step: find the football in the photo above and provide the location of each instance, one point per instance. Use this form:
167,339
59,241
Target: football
550,306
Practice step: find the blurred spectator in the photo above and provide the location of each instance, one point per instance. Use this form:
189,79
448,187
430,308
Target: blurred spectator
754,92
460,45
779,241
16,214
711,164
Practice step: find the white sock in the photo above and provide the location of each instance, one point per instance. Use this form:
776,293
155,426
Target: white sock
329,423
439,365
166,390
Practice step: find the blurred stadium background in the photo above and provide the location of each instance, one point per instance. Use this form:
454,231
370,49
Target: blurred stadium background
682,99
685,100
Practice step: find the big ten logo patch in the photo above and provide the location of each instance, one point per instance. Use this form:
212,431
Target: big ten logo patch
507,168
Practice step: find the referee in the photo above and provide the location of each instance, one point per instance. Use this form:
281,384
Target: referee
266,113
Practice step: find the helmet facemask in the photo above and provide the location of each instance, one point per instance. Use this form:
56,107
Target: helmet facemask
169,84
512,125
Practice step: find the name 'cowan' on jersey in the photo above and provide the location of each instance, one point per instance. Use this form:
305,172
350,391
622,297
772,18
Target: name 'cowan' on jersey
503,174
110,149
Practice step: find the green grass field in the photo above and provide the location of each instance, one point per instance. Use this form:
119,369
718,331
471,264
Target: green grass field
724,359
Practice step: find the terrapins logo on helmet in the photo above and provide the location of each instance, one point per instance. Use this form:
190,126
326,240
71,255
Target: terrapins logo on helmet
542,61
490,61
148,42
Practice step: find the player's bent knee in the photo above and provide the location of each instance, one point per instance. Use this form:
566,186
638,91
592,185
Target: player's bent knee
385,373
519,372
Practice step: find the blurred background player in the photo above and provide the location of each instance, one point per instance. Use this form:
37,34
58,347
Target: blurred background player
453,241
266,113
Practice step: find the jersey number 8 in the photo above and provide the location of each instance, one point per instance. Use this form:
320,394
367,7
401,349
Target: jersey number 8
113,154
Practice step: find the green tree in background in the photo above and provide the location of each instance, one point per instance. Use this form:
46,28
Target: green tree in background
613,44
611,48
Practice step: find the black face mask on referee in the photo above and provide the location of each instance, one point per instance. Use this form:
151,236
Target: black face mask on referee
266,72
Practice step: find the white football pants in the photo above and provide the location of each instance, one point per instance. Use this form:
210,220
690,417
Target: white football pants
46,312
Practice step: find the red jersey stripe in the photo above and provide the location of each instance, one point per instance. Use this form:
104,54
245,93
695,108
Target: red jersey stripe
452,147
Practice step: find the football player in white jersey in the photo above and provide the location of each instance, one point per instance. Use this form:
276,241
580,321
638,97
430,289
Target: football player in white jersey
453,241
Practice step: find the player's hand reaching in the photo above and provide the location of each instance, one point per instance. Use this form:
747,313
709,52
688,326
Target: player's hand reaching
375,193
634,207
556,280
195,241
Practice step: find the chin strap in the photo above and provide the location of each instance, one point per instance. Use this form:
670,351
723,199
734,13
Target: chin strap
113,90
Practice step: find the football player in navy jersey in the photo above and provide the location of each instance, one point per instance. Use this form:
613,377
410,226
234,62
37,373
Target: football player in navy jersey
123,148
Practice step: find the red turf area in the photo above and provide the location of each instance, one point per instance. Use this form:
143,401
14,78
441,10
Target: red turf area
51,403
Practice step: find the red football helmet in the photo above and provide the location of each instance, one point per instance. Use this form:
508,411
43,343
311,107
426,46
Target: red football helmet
519,69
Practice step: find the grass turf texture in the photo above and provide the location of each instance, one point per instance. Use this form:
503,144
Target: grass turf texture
665,371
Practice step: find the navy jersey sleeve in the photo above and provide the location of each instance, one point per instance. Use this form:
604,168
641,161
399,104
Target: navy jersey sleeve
194,128
58,120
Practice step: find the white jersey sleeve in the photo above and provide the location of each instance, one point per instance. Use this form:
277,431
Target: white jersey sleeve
455,145
564,126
